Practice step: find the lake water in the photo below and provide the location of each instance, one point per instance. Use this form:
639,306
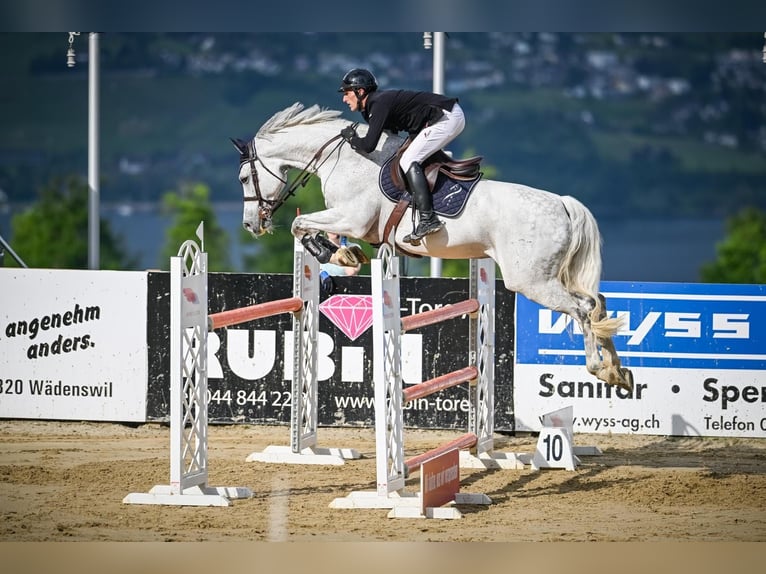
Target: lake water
634,250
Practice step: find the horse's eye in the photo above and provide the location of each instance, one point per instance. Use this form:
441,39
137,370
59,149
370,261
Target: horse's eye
243,179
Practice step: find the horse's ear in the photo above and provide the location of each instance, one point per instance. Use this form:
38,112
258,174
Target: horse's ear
241,145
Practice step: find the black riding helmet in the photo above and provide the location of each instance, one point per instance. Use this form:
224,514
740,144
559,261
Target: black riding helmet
358,78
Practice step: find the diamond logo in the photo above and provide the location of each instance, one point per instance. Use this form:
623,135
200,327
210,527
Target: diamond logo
352,314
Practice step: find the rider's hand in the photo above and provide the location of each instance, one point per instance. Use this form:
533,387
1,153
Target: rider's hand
347,133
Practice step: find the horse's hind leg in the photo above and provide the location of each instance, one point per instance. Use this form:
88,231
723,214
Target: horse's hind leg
582,313
605,365
579,307
596,337
612,369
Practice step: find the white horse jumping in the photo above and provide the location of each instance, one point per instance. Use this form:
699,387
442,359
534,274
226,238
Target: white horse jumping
547,246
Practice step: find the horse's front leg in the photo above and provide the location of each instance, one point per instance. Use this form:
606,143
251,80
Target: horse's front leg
307,228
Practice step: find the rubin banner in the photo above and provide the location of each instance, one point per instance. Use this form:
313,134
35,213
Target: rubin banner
250,365
697,352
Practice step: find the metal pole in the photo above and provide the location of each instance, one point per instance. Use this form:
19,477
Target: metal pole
94,223
438,88
5,247
439,62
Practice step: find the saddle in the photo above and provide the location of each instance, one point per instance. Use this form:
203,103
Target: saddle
457,169
450,181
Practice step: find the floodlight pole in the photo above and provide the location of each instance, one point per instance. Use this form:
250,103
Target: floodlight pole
436,40
94,220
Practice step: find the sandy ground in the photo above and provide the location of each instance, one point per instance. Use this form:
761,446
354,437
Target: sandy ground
65,481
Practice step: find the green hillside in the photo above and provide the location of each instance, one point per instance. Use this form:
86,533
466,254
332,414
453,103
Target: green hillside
656,125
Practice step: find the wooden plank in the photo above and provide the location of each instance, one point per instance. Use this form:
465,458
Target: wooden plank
439,314
259,311
466,440
440,383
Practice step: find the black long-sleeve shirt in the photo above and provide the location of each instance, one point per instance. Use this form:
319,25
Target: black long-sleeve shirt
399,111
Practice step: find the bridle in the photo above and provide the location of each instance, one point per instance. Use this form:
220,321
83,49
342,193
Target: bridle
267,207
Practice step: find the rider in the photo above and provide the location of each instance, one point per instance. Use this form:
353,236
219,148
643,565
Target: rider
432,121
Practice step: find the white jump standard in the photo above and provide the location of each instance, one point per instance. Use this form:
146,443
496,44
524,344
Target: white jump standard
392,469
189,325
188,391
304,410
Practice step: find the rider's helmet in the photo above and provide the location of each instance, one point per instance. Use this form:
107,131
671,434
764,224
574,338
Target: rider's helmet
358,78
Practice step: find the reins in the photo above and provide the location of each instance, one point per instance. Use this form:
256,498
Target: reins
311,168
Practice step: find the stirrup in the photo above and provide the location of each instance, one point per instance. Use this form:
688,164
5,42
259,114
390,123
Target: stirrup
424,228
412,238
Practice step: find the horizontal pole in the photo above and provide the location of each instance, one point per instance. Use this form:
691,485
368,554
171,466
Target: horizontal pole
462,442
440,383
439,314
259,311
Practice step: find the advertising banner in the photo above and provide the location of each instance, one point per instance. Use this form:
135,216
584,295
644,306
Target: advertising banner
697,352
73,345
250,365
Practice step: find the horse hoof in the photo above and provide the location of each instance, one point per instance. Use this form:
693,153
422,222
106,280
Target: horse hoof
627,376
619,377
624,379
360,255
351,256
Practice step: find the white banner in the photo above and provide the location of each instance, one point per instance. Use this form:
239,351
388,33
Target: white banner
697,352
73,344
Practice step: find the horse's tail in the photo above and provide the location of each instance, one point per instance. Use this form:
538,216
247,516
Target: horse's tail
580,271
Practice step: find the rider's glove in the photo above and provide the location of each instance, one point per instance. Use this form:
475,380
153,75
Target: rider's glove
347,133
326,283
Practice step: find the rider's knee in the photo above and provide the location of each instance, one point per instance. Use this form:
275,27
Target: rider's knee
415,168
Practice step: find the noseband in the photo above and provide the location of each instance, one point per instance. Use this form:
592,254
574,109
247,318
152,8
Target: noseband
267,207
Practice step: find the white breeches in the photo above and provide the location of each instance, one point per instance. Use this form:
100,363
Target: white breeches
433,138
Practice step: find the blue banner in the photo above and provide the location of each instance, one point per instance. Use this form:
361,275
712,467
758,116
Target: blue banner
670,325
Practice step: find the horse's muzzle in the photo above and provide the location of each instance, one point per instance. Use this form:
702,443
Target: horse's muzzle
257,222
259,228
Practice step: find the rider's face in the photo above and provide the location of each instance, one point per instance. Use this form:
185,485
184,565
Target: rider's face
352,101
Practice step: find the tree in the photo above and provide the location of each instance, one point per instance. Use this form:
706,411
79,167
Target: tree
53,232
189,206
742,254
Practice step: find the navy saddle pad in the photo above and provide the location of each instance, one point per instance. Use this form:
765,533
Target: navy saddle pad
450,195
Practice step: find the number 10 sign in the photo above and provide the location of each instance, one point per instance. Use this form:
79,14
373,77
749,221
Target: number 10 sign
554,449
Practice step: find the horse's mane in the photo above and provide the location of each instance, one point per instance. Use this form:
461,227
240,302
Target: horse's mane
293,116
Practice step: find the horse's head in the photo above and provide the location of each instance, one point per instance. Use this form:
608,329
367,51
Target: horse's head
293,138
264,188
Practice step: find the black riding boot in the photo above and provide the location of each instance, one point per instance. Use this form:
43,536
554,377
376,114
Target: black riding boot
428,223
